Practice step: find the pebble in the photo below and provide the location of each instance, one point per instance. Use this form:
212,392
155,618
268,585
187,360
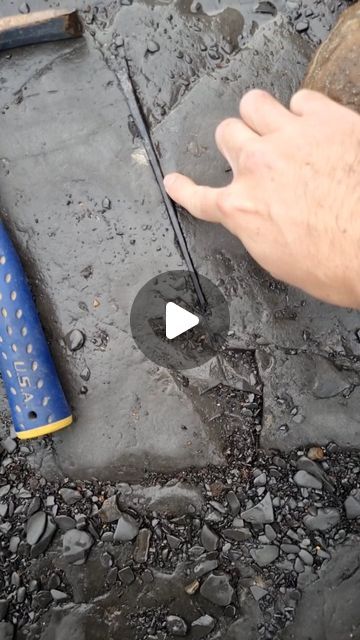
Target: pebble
260,480
152,46
142,543
4,490
302,26
306,557
85,374
59,596
126,575
316,453
270,533
106,560
3,510
4,606
304,479
24,8
299,566
75,339
201,627
65,523
9,445
147,577
261,513
237,535
45,539
21,595
209,539
324,519
233,502
265,555
217,589
192,588
106,203
110,511
176,626
352,505
76,545
258,592
41,600
70,496
34,506
204,567
14,543
35,527
6,631
127,528
290,548
173,541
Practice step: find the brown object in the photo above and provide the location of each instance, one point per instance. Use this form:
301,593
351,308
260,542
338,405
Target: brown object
41,26
335,68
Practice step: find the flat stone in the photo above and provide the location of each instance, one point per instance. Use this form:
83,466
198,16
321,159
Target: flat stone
352,505
304,479
7,631
14,543
217,589
4,606
324,520
258,592
205,566
233,502
70,496
75,339
237,535
142,544
270,533
265,555
334,69
34,506
42,544
306,557
58,596
76,545
126,529
35,527
9,445
261,513
260,480
209,539
65,523
202,626
110,511
4,490
176,626
126,575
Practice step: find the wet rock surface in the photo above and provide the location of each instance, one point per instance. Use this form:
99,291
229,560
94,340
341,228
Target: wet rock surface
159,514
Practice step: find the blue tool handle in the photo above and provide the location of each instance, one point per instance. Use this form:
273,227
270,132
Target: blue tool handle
37,401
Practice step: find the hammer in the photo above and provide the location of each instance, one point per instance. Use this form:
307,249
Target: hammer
36,398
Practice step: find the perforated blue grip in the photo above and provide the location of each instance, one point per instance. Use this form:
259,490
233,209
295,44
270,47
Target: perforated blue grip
37,402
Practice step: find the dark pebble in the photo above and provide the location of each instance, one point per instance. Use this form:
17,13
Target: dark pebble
302,26
75,339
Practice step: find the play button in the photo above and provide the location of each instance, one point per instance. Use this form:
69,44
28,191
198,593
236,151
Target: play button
169,326
178,320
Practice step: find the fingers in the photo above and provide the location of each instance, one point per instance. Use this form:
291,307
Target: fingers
231,135
263,113
198,200
307,101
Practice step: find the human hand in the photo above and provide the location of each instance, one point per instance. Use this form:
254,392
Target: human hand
294,200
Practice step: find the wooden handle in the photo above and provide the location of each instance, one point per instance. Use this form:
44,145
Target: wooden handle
40,26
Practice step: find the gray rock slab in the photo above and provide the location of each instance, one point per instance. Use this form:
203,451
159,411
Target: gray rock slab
35,527
126,529
329,608
318,390
352,505
76,545
217,589
7,631
265,555
53,183
324,520
260,513
304,479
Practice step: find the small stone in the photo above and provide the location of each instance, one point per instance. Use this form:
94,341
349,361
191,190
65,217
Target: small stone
176,626
6,631
304,479
201,627
204,567
3,510
261,513
192,588
127,528
35,527
106,203
152,46
316,453
110,511
302,26
299,566
85,374
59,596
217,589
41,600
142,543
324,519
147,576
45,539
70,496
106,560
21,595
270,533
237,535
209,539
9,445
260,480
233,502
76,545
352,505
126,575
75,339
265,555
174,542
4,490
258,592
34,506
24,8
306,557
4,606
14,543
65,523
290,548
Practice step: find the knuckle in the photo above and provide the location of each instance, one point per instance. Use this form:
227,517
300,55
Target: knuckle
252,156
253,97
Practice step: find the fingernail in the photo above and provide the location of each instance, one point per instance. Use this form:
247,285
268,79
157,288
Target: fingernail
169,179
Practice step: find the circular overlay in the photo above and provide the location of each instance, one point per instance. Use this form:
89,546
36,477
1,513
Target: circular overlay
152,318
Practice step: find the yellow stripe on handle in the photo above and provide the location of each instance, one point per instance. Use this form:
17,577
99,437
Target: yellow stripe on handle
45,430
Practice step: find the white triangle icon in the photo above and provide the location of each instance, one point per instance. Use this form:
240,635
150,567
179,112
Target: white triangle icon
178,320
